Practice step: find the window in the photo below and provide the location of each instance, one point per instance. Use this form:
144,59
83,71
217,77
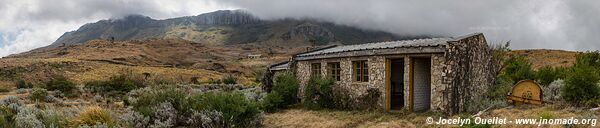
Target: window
361,71
334,70
315,69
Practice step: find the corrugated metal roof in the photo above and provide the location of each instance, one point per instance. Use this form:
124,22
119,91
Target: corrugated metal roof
431,42
280,66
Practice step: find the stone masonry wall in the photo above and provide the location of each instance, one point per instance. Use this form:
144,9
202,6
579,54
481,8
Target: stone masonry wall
376,76
467,72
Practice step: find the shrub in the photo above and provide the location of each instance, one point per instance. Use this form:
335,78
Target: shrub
546,75
581,85
23,84
518,68
284,93
164,115
369,100
229,79
147,100
591,59
236,109
61,83
53,119
501,87
318,93
28,118
93,115
552,91
135,119
206,119
38,94
119,84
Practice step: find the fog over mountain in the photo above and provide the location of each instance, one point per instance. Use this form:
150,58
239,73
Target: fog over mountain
554,24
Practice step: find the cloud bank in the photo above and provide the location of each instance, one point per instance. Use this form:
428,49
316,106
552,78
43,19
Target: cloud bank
552,24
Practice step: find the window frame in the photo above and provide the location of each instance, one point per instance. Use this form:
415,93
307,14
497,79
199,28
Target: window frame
315,69
360,71
334,70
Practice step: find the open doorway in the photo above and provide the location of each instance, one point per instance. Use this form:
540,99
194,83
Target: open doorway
421,84
397,84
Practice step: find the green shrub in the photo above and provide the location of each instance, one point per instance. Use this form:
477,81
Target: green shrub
38,94
61,83
229,79
546,75
23,84
146,101
236,109
369,100
54,119
501,87
518,68
591,59
581,85
7,117
284,93
118,84
318,93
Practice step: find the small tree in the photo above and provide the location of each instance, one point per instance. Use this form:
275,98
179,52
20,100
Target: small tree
546,75
285,92
518,68
581,85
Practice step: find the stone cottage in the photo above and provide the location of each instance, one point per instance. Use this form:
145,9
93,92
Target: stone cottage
438,74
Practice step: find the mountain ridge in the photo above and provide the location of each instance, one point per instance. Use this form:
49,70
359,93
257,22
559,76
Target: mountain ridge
225,27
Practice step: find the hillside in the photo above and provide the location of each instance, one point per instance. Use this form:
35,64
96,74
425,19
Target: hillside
223,28
174,59
545,57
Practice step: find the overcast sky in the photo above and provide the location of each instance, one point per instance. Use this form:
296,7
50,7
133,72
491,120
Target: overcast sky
550,24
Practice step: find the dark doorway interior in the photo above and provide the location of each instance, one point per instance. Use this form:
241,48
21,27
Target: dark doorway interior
397,84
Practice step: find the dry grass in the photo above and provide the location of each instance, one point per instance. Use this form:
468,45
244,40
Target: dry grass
340,119
543,57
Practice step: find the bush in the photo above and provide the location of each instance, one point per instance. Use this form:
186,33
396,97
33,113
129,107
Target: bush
23,84
92,116
38,94
61,83
318,93
54,119
284,93
118,84
552,91
28,118
146,101
518,68
581,86
501,87
229,79
236,109
546,75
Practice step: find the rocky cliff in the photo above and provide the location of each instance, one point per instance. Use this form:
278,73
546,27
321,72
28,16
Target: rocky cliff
222,28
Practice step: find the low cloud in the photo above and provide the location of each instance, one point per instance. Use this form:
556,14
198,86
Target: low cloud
553,24
29,24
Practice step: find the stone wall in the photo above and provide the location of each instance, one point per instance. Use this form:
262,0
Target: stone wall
458,75
467,71
377,78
